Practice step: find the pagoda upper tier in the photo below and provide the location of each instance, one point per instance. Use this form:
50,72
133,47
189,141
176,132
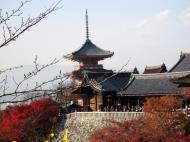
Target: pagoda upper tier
89,51
88,56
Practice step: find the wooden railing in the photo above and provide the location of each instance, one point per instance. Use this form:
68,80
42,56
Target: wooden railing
107,115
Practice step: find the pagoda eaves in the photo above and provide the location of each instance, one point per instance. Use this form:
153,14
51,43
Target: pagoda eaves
88,57
89,50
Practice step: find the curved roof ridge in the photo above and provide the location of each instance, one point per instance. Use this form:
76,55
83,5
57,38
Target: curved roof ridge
89,49
159,75
89,45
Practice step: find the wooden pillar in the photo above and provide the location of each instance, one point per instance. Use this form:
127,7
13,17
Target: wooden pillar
99,100
93,103
128,102
138,102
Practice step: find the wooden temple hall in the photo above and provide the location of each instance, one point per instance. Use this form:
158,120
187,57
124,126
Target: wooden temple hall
105,90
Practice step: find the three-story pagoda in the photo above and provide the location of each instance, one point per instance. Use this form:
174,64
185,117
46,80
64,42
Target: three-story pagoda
88,57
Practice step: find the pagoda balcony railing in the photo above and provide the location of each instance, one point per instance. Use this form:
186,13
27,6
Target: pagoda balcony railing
105,115
88,66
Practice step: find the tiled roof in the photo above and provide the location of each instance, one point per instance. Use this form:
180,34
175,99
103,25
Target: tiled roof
183,64
115,83
155,69
110,82
152,84
89,49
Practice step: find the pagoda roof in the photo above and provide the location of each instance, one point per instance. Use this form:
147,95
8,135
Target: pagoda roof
183,63
89,49
155,69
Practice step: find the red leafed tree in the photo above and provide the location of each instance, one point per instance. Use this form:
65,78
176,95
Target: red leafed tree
24,123
163,119
185,92
163,122
119,132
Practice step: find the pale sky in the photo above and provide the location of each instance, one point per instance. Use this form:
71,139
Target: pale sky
149,31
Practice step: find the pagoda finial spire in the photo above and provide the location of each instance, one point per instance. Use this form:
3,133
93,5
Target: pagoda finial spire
87,32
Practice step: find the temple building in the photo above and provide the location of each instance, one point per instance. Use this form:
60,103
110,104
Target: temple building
105,90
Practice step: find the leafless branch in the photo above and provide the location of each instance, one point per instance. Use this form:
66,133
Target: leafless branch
5,84
28,99
11,33
116,72
95,83
13,13
9,69
38,88
36,91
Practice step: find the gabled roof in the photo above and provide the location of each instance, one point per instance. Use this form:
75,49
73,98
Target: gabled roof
155,69
110,82
183,64
89,49
151,84
115,83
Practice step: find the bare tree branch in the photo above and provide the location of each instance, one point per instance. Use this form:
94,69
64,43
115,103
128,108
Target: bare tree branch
10,33
35,91
28,99
116,72
13,13
9,69
95,83
37,68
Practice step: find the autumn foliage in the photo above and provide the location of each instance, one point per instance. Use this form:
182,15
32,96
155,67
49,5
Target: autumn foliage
118,132
163,122
27,123
185,92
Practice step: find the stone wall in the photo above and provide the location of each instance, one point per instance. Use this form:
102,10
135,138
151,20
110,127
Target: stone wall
81,124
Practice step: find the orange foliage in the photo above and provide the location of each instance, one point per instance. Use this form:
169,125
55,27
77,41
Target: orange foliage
161,104
163,117
121,132
163,122
185,92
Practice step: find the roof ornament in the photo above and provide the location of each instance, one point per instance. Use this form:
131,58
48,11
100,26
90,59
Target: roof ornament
87,32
